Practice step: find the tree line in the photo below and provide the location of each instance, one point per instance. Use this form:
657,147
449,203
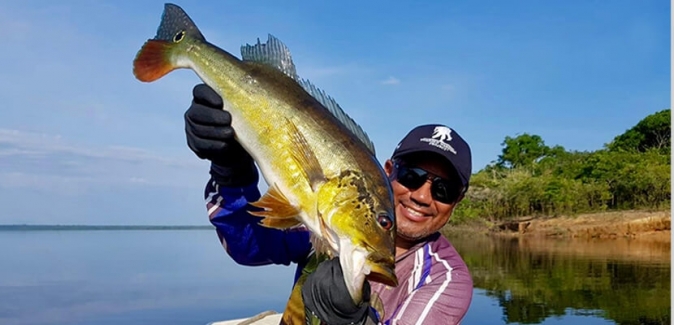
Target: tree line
530,178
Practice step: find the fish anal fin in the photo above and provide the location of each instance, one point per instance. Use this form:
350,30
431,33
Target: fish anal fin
294,312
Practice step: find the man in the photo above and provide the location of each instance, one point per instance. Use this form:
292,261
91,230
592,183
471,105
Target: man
429,171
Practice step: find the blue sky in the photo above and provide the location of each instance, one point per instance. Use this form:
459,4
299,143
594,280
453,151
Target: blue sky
82,141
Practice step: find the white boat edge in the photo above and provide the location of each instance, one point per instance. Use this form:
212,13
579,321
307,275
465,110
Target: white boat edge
272,319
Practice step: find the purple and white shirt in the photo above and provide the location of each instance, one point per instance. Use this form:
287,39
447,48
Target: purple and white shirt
435,286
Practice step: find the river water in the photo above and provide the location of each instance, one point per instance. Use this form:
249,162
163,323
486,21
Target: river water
185,277
540,281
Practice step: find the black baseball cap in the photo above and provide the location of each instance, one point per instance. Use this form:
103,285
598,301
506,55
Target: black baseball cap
442,140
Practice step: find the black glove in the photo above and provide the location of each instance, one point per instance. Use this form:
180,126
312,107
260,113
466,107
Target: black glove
326,296
210,136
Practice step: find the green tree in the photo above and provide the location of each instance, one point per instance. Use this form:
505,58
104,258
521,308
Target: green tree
531,179
652,132
522,150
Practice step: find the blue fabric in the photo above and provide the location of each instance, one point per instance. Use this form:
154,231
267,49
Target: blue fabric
426,267
248,242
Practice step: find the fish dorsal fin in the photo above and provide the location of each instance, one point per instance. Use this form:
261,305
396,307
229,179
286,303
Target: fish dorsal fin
338,112
273,53
277,55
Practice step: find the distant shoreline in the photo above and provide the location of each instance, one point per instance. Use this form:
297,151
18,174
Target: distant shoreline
632,224
93,227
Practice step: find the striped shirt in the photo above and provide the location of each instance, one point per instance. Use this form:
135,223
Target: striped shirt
435,286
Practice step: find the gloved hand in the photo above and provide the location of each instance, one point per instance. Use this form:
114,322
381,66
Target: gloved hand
326,296
210,136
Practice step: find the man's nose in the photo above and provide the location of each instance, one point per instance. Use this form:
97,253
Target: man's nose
422,195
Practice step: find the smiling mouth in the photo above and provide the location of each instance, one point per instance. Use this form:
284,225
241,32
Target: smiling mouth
414,212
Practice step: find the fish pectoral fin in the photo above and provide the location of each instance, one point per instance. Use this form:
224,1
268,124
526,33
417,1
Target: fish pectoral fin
305,157
321,244
277,211
280,223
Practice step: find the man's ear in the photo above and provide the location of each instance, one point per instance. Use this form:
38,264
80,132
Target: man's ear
388,168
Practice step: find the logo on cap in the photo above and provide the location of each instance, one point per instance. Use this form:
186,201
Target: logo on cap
443,133
440,138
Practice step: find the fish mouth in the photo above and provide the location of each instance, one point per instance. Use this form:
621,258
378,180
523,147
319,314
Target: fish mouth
382,269
383,273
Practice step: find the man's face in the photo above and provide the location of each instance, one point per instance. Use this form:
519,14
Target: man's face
418,214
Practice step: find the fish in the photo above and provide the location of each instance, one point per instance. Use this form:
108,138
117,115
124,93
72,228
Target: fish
319,165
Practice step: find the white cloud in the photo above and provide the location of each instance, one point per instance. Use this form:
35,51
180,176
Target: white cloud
52,179
391,81
447,87
36,160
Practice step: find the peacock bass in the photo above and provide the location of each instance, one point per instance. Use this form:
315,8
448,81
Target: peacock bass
319,165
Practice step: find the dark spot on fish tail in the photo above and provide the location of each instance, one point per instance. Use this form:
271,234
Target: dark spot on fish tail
179,36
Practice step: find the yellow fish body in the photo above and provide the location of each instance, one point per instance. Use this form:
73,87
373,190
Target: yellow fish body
320,166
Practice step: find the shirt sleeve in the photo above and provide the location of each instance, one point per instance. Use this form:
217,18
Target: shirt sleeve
444,299
244,239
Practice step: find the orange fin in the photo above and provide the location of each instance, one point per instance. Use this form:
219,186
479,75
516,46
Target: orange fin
152,61
280,223
278,212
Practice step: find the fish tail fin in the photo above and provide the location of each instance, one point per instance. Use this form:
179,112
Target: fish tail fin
156,58
175,21
153,61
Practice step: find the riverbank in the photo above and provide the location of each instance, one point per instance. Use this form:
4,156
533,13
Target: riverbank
653,225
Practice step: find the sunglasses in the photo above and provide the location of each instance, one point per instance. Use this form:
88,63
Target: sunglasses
413,178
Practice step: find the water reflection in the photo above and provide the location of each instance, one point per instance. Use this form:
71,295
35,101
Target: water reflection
625,281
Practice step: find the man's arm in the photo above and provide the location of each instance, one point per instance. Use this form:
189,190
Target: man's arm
244,239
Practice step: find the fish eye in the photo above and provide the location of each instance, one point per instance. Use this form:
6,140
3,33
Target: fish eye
179,36
385,221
